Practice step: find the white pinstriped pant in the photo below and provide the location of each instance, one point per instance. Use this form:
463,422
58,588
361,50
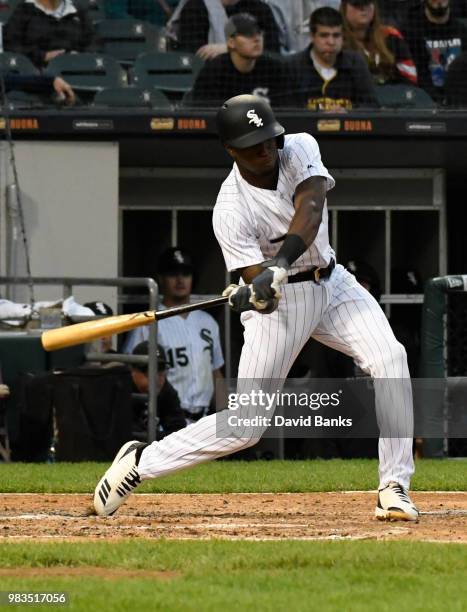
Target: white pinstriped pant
338,312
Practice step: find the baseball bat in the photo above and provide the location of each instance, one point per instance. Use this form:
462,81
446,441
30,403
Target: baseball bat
79,333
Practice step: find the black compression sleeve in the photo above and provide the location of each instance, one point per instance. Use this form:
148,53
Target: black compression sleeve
291,249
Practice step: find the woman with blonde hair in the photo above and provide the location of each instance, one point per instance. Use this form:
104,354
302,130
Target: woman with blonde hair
383,46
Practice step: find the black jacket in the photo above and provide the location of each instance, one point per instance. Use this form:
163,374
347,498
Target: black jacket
351,87
219,80
194,23
33,33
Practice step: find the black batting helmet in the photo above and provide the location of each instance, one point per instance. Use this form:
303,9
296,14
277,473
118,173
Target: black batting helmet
246,120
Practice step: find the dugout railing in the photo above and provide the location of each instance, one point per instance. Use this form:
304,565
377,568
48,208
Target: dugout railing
67,284
444,346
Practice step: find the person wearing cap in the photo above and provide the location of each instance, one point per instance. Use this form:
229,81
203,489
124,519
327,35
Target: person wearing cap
435,37
169,411
382,46
243,69
197,26
327,77
191,342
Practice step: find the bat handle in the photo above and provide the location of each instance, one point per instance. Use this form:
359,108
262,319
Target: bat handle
173,312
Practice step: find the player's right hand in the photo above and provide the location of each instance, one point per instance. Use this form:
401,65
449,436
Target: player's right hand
241,299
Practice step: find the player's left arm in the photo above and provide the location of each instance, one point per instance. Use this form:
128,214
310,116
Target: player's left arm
310,197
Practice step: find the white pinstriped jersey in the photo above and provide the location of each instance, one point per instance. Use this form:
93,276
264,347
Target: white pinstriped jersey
336,311
193,350
250,223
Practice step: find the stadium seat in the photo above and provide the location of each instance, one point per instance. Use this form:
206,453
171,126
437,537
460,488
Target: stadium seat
403,96
23,100
171,72
88,72
6,8
187,99
4,16
17,64
132,97
125,39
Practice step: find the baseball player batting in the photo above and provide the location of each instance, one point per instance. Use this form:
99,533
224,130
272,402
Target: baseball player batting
271,221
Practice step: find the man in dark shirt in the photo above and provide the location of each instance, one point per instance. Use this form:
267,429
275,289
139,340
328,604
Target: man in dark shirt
327,77
169,411
194,25
243,69
435,38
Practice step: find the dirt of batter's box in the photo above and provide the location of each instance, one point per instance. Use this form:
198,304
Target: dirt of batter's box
235,516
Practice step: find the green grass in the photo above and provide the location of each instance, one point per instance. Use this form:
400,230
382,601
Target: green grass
290,576
260,576
236,476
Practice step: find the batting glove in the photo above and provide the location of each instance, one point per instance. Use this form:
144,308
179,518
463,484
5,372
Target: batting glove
266,286
242,299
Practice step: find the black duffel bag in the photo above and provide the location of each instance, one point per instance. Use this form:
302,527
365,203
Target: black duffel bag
93,412
31,419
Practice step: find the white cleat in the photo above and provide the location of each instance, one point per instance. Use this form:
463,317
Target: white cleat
394,504
119,481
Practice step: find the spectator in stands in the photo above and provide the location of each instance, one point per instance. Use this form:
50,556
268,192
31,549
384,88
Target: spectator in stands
40,84
44,29
169,412
191,342
243,69
456,82
387,53
198,25
154,11
326,77
435,38
296,15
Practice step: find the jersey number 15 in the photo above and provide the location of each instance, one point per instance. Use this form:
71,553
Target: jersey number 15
177,356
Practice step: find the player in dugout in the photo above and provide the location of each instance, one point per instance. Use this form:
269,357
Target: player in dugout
169,412
191,342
